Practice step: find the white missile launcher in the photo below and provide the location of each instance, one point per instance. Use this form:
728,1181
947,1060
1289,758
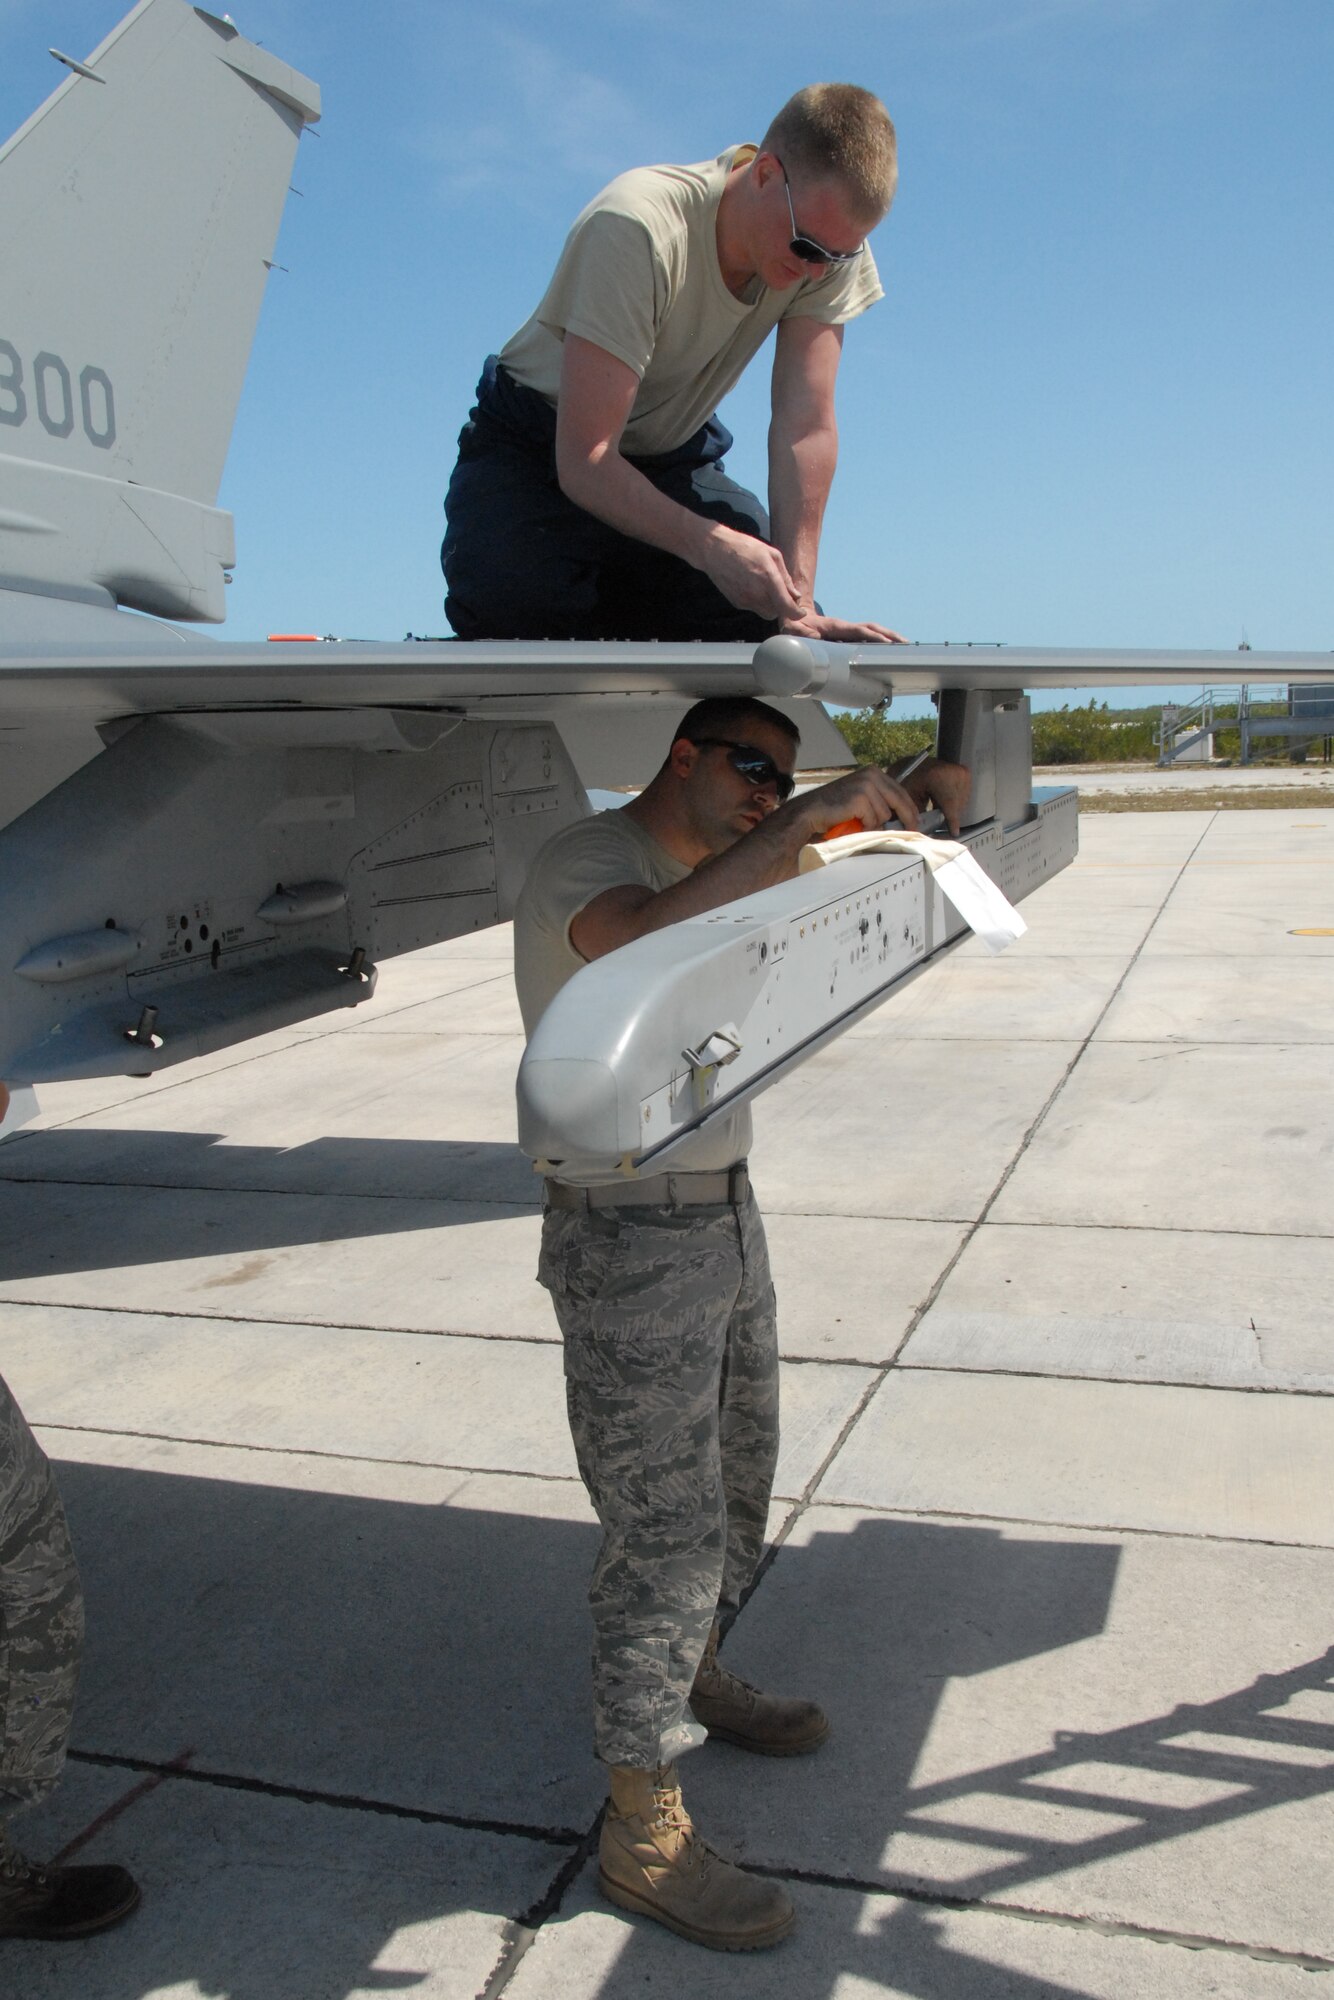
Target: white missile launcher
652,1042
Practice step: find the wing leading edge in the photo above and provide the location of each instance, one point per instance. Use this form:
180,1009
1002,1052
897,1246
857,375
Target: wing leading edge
110,679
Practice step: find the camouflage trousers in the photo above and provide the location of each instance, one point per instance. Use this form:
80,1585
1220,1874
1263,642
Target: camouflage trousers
41,1618
671,1378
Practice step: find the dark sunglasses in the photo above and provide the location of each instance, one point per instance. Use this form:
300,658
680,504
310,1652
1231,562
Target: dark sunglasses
755,766
806,247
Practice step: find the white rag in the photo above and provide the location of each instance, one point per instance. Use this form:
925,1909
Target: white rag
971,890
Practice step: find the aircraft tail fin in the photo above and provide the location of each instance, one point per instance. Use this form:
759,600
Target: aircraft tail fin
139,207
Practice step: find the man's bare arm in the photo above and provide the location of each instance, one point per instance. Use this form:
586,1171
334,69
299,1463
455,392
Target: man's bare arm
803,443
803,455
756,861
597,394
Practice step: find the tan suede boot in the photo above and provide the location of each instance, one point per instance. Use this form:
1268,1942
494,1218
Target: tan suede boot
653,1861
732,1710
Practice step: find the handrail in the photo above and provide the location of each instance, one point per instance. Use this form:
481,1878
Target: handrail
1181,725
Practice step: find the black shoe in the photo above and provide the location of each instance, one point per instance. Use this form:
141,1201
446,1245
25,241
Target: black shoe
62,1902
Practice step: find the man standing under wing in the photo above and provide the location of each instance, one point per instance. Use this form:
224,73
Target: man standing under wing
589,500
661,1286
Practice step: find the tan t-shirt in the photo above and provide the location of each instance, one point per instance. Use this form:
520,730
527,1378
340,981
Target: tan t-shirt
639,276
594,855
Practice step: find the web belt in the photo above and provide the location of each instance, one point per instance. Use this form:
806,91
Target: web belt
729,1187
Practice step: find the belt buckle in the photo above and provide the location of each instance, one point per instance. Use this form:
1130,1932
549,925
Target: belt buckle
738,1183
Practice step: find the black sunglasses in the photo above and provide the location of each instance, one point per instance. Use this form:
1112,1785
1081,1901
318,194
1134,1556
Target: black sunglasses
806,247
757,767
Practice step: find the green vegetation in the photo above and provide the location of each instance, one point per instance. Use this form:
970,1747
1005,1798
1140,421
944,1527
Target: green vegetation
1089,735
874,739
1093,734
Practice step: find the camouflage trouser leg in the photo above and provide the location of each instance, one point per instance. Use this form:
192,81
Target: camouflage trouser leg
41,1618
671,1373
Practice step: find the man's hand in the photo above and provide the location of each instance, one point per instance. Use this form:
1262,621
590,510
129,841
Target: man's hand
811,624
750,573
868,794
945,786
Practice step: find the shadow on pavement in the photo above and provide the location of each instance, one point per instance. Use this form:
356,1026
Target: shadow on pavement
430,1657
83,1203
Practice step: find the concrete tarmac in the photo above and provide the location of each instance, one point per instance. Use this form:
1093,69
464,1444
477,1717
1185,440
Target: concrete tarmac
1053,1235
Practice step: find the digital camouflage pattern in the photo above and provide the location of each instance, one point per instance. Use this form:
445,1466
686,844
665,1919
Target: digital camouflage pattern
41,1618
671,1377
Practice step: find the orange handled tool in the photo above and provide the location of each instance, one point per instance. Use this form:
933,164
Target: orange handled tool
844,826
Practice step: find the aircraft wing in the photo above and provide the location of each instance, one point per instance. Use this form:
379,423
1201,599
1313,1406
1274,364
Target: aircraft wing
104,681
260,826
79,670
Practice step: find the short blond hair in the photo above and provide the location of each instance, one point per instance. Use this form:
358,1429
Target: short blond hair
838,131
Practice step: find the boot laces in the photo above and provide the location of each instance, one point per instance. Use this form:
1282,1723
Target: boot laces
16,1868
670,1812
670,1816
724,1685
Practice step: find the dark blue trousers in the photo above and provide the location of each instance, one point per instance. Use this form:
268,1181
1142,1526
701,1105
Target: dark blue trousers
523,562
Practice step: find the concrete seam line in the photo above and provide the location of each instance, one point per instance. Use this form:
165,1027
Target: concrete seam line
515,1943
1104,1381
305,1451
270,1193
336,1801
309,1325
1111,1927
521,1933
1119,1528
119,1806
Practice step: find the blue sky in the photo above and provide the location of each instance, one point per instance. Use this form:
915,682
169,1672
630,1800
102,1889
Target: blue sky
1096,407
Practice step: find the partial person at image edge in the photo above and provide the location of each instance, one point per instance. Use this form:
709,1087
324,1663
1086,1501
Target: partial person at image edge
41,1639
